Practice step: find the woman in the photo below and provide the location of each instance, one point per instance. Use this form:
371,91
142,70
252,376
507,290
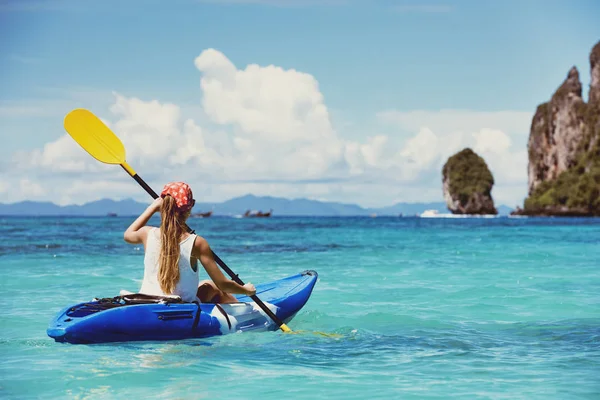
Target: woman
172,254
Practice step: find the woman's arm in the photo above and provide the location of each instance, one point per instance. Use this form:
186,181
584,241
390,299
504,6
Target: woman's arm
138,231
203,252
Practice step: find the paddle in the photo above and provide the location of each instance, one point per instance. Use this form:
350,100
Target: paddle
102,144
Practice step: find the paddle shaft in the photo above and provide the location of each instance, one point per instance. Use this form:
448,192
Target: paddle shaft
220,262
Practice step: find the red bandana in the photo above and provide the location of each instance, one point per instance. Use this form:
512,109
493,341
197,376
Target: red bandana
182,194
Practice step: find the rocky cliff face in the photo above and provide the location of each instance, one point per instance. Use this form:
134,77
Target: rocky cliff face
467,184
564,149
556,132
593,111
594,97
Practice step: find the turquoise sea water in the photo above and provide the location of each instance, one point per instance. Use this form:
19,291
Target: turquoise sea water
426,308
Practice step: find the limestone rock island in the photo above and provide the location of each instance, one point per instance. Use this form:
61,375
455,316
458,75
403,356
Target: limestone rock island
467,184
564,149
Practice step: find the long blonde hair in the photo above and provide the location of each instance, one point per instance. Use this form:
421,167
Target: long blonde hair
171,229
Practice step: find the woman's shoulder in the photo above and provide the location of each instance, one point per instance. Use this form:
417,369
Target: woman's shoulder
200,243
199,240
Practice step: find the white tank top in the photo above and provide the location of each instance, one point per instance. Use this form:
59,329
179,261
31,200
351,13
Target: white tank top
187,286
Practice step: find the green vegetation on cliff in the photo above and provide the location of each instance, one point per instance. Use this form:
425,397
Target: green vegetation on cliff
467,174
576,190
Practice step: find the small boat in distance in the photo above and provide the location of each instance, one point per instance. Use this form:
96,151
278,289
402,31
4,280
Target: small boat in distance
111,214
203,214
257,214
437,214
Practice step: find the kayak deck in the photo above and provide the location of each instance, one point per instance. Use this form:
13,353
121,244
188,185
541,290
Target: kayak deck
104,321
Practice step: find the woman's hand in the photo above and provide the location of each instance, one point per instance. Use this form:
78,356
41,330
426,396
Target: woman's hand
251,290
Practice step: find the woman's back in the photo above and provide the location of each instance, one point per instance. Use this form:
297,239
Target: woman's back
187,285
168,260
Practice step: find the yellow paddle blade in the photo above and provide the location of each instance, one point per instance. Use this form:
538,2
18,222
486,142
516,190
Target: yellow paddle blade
94,136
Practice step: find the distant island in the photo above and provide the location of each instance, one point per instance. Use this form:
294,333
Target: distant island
233,207
467,184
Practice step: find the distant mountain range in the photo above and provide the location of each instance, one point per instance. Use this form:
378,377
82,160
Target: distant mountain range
235,206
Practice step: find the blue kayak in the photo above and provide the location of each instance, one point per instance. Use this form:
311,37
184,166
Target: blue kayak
138,317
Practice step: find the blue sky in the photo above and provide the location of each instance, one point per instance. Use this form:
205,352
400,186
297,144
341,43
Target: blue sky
383,68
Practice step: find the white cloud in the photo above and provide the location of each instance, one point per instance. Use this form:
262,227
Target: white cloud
14,189
271,134
451,120
492,141
31,189
359,157
63,155
264,102
149,130
508,164
277,114
421,150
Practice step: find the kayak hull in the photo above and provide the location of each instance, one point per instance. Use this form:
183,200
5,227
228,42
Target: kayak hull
86,323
